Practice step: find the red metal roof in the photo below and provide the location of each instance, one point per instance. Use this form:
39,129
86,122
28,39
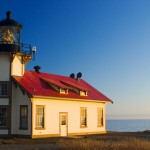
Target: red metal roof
57,83
33,83
75,85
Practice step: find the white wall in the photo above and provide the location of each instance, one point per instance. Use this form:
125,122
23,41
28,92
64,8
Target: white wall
19,99
4,67
4,76
52,109
17,68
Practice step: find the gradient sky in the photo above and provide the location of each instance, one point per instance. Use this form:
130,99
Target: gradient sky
107,40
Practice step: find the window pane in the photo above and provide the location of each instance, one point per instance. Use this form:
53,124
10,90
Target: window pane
3,116
3,89
100,116
63,120
40,111
24,124
23,111
83,117
40,117
23,117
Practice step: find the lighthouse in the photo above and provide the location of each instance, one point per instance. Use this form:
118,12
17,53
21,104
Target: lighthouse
14,55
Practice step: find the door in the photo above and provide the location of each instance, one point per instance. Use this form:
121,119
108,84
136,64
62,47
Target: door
63,124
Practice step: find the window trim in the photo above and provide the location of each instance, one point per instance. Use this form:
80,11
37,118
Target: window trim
21,128
7,117
40,128
101,123
83,126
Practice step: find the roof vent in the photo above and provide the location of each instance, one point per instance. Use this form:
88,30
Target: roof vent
72,75
8,14
79,75
37,69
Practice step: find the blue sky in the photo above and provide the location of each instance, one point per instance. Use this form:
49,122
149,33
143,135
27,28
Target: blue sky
107,40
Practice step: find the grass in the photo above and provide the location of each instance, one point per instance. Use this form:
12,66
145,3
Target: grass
92,144
109,141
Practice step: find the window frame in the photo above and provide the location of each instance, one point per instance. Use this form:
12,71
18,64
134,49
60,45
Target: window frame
85,117
36,123
22,117
8,89
100,117
5,127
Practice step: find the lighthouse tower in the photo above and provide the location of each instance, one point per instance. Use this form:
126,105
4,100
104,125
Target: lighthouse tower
14,56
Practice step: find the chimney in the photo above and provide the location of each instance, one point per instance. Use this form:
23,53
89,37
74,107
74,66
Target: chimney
79,75
72,75
37,69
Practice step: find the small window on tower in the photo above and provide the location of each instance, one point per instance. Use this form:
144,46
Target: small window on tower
3,89
3,116
24,117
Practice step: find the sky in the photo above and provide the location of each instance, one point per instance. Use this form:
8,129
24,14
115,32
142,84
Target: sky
107,40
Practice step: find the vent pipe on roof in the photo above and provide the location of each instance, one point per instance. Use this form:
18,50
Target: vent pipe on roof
37,69
72,75
79,75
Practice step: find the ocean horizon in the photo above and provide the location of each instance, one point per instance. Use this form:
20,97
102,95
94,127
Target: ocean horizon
128,125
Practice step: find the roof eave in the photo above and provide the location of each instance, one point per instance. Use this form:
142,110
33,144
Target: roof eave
21,87
68,99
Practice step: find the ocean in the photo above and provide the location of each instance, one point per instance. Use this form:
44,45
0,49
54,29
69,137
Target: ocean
128,125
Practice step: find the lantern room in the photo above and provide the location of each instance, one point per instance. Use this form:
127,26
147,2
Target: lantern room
10,37
10,30
13,52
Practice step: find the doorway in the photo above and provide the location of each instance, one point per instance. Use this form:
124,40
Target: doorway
63,117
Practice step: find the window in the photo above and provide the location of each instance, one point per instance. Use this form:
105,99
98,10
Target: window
100,121
63,91
23,117
3,116
39,116
83,93
63,119
83,117
3,88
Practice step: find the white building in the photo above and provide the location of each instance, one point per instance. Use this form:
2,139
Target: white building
37,104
